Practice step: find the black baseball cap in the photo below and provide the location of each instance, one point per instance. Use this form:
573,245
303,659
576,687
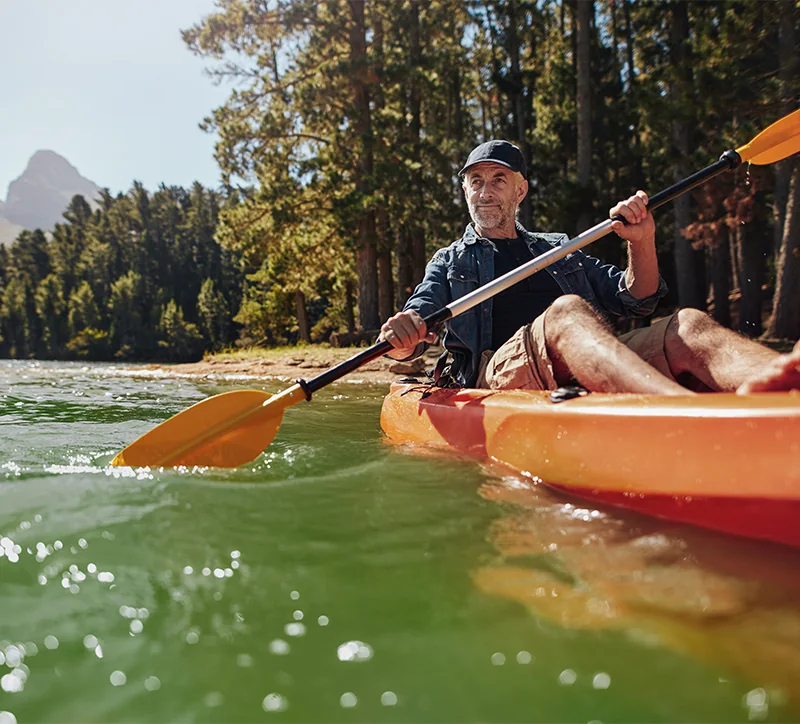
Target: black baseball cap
501,152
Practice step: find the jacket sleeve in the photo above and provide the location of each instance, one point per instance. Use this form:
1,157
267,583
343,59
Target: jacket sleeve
432,293
608,283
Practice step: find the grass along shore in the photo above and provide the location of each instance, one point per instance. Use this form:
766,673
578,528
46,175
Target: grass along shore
288,363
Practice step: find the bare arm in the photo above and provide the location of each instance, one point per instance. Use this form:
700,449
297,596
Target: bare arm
641,276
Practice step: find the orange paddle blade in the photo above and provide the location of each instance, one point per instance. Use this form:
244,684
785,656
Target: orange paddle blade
223,431
778,141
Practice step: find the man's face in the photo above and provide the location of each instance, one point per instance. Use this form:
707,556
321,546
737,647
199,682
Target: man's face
493,193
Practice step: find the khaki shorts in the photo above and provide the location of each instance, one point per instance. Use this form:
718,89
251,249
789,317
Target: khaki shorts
523,363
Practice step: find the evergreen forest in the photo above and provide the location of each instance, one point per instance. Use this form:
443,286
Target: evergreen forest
338,149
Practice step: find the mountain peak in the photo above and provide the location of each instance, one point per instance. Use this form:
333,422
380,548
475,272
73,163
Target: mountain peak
47,159
38,198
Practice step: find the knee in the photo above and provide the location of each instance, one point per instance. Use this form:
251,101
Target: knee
690,324
563,314
566,309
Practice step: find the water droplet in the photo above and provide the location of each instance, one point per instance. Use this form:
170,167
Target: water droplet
274,702
90,642
323,620
117,678
567,677
498,659
601,681
354,651
50,642
348,700
388,698
11,684
524,657
152,683
278,647
294,629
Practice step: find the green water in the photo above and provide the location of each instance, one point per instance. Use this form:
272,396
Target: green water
341,578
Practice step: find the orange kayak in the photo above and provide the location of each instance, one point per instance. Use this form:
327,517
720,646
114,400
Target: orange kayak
727,462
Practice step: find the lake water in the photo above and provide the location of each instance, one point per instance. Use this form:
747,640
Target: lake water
339,578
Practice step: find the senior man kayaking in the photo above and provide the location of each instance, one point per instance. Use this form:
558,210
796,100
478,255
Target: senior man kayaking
551,328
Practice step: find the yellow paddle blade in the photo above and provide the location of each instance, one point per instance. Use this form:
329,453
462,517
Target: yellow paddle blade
778,141
223,431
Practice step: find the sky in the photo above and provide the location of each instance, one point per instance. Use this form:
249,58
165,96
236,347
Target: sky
110,86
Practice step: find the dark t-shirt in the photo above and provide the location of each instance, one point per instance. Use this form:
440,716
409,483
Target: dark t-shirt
526,300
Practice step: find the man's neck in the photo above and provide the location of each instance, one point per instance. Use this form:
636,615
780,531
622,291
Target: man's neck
500,232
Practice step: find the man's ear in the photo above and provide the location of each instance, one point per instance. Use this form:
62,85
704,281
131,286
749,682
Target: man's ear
522,190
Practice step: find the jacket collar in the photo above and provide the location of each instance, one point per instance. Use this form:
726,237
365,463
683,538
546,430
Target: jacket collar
471,236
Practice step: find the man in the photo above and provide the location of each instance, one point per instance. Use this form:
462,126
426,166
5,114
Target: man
550,329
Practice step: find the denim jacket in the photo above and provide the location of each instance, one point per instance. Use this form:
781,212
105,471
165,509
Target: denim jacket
468,263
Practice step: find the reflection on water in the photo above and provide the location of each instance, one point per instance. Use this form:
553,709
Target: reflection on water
730,602
334,579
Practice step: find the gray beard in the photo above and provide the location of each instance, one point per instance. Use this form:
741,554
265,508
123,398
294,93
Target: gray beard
492,218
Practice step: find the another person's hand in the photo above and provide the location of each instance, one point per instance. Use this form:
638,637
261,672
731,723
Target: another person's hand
640,226
404,331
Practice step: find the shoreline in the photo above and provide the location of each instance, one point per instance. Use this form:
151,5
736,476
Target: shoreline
287,364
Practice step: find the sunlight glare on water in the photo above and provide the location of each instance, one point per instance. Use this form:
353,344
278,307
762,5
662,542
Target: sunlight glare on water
340,577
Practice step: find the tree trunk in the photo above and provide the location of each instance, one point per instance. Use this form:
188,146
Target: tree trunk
405,271
720,263
688,264
385,285
348,308
518,106
785,319
788,59
456,121
366,257
384,262
583,17
637,171
303,332
750,263
416,231
618,89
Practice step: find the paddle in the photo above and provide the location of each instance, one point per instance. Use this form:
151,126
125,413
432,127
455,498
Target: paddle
235,427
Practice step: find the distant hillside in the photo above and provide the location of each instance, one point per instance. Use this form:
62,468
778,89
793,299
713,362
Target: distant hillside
8,230
37,199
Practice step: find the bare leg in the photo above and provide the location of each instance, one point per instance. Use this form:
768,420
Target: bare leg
724,360
782,374
581,346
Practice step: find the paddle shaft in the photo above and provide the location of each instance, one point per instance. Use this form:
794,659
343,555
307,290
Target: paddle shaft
728,160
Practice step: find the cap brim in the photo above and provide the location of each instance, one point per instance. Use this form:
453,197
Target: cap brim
488,160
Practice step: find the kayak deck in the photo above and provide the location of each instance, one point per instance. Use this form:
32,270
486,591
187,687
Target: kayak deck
724,461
